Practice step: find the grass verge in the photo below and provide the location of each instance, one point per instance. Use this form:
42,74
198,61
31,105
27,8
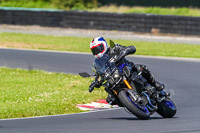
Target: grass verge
78,44
26,93
27,4
183,11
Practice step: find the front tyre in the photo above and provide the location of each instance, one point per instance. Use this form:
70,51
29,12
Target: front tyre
138,110
166,108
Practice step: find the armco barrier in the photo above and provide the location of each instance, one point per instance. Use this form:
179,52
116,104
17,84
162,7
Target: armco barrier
105,21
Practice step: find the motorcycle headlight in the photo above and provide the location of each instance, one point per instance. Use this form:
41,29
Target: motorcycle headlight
113,77
116,74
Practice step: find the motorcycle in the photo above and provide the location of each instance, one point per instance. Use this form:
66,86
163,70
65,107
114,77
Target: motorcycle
131,90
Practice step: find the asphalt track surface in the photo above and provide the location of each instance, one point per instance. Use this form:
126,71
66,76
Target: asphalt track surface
182,79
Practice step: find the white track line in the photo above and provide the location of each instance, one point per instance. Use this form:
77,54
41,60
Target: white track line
37,117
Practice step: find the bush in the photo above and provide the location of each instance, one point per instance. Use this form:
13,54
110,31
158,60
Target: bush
60,4
75,4
27,4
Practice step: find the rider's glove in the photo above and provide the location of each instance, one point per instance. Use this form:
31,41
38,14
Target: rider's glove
121,55
94,84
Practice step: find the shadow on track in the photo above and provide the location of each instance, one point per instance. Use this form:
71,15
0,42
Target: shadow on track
133,118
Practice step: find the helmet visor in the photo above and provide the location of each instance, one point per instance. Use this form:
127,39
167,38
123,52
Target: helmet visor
97,49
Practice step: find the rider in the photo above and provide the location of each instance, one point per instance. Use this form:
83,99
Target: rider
99,48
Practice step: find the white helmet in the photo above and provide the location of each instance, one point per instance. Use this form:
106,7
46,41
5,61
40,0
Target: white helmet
98,47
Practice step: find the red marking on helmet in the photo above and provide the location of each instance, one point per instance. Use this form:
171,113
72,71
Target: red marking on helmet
95,46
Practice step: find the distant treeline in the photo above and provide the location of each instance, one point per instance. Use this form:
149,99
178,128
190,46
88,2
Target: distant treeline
159,3
71,4
81,4
85,4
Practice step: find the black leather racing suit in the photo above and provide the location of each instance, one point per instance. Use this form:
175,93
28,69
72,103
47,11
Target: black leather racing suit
123,51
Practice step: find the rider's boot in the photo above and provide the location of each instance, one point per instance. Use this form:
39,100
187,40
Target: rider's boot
159,86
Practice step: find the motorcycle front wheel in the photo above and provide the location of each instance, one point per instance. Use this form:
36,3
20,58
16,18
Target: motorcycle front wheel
139,110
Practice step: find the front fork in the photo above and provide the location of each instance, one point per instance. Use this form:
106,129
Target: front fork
127,84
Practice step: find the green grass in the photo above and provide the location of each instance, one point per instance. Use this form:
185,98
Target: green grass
184,11
14,40
27,4
26,93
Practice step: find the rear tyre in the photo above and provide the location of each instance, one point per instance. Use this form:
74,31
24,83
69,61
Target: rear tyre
166,108
127,101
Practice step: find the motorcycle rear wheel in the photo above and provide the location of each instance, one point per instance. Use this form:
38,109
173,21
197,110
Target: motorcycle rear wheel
166,108
126,100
